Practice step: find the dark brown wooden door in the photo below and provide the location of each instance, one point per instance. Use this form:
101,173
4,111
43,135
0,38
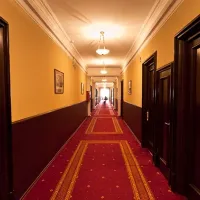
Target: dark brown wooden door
122,98
5,116
113,97
194,117
96,97
148,105
163,118
91,100
187,69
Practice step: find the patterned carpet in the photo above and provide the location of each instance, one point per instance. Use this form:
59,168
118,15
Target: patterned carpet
102,160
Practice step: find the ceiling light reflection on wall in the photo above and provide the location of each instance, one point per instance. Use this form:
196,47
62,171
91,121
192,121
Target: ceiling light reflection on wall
102,48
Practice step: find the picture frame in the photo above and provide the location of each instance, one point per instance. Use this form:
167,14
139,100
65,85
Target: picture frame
58,82
130,87
82,88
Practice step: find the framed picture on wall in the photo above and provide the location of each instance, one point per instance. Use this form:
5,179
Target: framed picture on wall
58,82
130,87
82,88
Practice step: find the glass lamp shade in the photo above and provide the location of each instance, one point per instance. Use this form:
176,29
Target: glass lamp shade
102,51
104,71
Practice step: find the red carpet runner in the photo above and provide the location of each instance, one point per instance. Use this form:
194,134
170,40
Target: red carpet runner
102,160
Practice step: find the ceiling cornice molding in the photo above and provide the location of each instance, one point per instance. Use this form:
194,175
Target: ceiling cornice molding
42,14
160,13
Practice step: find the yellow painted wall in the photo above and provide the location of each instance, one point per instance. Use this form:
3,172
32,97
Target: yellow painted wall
163,43
33,57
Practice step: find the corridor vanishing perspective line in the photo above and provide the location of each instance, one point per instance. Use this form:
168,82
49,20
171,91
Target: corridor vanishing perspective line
102,160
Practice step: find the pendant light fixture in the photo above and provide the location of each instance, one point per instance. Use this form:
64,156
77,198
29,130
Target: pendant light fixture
103,71
104,79
101,48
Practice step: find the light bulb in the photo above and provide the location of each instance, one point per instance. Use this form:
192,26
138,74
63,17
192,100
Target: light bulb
103,71
102,51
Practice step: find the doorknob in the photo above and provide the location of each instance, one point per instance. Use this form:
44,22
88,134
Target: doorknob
167,123
147,115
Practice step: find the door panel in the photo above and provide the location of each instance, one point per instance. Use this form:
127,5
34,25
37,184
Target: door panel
148,105
194,146
113,97
163,132
122,98
91,101
96,97
197,126
166,120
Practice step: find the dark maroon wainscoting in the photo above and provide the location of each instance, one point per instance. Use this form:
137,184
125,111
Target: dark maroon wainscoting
133,118
36,140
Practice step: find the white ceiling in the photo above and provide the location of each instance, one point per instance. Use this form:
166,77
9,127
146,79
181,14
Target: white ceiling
75,26
121,20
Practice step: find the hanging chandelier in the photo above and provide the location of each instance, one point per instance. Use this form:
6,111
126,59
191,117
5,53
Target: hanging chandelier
104,79
103,71
101,48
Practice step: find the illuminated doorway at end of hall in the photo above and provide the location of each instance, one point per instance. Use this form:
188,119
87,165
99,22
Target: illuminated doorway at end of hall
104,92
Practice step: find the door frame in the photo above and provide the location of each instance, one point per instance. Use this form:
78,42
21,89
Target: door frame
181,77
151,59
6,178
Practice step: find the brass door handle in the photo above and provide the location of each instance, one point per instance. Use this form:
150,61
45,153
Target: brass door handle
147,115
167,123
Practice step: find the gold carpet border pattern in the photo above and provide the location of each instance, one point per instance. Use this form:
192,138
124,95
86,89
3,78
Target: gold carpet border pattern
66,183
112,112
138,181
140,187
98,111
90,129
